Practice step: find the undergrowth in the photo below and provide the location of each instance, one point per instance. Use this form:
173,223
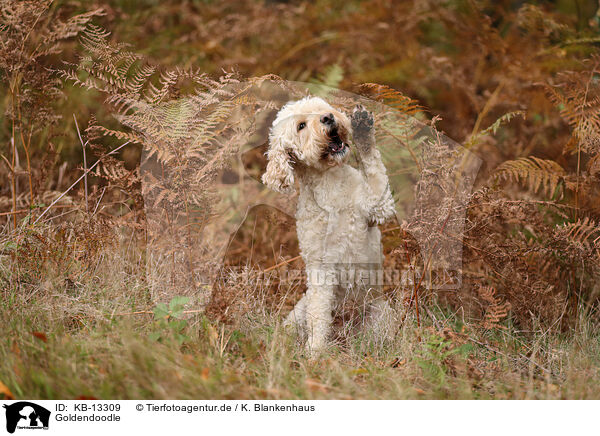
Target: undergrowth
90,328
82,285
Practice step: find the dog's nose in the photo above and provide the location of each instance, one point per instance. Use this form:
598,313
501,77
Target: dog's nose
327,119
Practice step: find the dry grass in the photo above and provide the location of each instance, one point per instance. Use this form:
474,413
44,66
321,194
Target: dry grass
516,84
71,333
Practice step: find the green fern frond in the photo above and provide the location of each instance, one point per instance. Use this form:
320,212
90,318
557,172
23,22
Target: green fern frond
332,77
493,128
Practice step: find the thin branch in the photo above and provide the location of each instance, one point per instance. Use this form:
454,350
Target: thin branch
85,182
13,212
285,262
78,180
99,200
486,108
495,350
150,312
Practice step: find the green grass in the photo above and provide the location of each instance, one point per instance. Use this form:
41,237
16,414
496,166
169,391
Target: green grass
92,349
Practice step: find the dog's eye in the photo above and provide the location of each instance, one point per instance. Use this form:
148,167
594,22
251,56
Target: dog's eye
301,125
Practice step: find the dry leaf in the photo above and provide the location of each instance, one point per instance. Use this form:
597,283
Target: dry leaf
314,385
204,374
213,336
41,336
5,393
398,362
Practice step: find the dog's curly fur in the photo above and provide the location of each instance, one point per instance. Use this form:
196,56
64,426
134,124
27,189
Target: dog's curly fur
338,208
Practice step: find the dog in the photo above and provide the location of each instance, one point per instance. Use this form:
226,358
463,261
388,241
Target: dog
338,209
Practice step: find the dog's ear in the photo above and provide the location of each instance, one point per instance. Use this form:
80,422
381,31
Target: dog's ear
279,175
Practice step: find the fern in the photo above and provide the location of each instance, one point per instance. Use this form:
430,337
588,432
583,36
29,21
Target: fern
577,96
496,309
332,77
492,129
533,172
391,97
30,31
186,125
535,20
326,84
584,232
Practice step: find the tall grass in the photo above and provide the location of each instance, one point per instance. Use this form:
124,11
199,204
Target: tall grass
79,336
79,315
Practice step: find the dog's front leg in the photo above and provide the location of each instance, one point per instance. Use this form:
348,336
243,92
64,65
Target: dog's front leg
380,201
319,304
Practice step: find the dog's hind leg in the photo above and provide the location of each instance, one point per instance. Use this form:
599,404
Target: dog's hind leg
319,318
297,317
381,321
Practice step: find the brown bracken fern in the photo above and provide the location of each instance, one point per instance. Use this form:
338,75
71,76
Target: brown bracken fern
31,31
536,174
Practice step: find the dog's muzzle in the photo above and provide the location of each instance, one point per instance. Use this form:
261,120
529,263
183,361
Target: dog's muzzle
335,145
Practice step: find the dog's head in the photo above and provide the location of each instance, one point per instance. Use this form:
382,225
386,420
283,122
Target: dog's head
307,132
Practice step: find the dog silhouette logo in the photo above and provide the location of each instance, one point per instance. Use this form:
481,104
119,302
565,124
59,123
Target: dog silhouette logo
26,415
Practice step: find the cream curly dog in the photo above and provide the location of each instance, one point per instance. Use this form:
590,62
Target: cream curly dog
338,209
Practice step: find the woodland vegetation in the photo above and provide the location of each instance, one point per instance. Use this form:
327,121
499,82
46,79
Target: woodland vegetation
89,90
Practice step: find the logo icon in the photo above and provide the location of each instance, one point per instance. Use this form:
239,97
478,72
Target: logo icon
26,415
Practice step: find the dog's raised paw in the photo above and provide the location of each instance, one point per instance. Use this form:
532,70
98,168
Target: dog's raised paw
361,118
362,127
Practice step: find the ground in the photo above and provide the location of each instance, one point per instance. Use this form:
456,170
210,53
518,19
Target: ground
75,335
